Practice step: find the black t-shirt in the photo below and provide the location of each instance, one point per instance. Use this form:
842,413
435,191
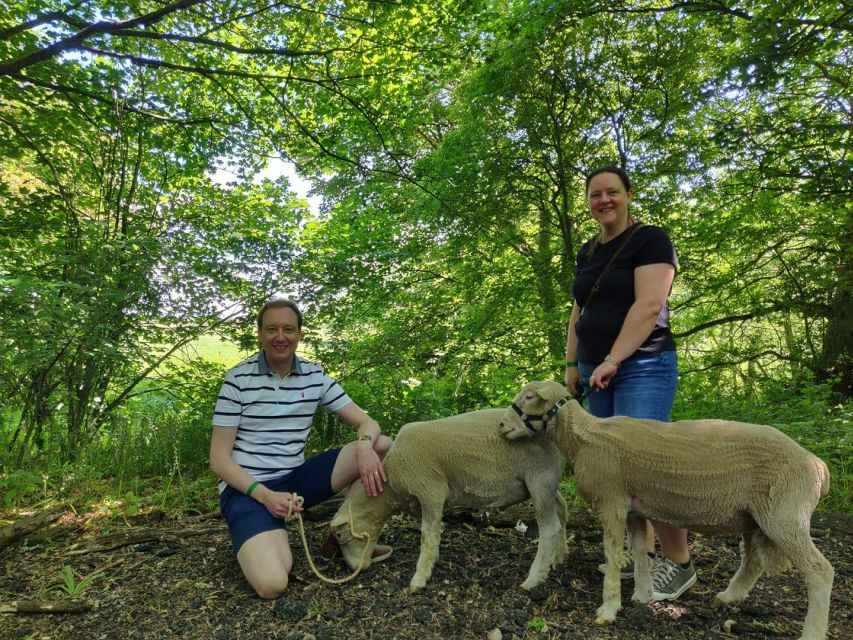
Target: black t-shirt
601,322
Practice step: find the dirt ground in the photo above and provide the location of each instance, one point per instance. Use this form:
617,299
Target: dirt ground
163,578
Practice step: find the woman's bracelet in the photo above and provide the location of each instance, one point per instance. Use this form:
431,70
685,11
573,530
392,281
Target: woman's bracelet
571,363
252,488
612,360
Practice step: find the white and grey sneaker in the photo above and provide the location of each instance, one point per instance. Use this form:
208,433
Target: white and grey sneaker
626,571
670,579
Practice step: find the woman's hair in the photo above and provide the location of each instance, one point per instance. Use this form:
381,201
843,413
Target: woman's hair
623,177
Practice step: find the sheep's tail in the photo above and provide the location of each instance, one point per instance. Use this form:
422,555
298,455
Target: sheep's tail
773,560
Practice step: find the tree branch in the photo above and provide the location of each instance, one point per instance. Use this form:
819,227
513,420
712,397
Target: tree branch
97,28
217,44
109,101
44,18
750,357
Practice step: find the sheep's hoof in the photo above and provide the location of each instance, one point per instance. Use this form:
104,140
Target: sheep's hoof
529,584
604,615
722,599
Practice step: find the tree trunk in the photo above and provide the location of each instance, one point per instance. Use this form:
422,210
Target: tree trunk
836,357
24,526
44,606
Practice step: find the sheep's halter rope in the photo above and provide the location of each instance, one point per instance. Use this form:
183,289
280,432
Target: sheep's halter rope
544,419
297,499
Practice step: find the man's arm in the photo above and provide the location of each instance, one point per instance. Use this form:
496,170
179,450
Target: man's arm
361,422
368,461
223,465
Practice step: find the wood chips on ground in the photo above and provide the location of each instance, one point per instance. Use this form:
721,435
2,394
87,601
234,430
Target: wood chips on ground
159,578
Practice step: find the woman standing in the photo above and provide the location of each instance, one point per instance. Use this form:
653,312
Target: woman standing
619,340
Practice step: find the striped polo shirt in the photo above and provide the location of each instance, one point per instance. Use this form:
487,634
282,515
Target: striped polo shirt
273,414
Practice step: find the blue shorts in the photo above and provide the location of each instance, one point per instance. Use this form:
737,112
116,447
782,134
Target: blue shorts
246,517
643,387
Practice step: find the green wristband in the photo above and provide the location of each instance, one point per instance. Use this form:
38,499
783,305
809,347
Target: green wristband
571,363
252,488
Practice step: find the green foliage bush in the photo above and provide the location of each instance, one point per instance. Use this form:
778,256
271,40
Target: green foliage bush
807,413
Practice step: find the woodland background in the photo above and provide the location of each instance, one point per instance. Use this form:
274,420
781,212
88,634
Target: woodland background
447,141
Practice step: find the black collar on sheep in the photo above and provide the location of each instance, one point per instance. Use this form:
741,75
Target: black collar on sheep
544,419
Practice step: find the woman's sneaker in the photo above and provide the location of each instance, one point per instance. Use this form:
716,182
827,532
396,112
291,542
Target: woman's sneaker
670,579
626,571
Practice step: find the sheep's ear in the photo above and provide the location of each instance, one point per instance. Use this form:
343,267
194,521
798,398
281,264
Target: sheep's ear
340,519
539,391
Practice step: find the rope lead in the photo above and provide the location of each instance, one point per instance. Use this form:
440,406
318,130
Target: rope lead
299,500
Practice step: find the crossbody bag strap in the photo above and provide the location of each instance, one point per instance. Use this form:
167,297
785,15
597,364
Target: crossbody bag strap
595,285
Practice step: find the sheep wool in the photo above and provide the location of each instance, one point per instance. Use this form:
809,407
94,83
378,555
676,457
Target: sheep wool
709,476
459,461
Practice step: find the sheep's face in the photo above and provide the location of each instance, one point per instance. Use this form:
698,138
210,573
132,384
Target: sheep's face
534,400
355,536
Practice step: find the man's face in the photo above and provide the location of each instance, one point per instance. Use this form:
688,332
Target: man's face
279,335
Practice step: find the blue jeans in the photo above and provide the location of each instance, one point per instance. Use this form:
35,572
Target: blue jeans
643,387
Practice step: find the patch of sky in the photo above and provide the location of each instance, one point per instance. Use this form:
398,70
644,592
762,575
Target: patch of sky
275,167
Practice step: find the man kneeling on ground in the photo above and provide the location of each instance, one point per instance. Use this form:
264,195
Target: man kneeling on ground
263,417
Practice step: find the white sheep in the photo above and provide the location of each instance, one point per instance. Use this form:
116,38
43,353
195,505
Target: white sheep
459,461
710,476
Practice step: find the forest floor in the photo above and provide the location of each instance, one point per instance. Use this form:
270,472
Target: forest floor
159,578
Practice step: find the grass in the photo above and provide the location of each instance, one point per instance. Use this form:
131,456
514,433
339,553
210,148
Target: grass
215,350
153,454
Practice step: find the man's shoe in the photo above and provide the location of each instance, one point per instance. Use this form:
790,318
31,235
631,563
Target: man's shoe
670,579
381,552
331,548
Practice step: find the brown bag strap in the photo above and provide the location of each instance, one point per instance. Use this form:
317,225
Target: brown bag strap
595,285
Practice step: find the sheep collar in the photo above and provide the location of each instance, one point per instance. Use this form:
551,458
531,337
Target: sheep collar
544,418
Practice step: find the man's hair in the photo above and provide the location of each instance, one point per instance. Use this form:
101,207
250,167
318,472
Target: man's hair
626,181
280,303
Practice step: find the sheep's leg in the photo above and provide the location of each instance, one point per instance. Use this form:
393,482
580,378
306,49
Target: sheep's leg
562,550
430,538
549,539
642,566
795,541
748,572
613,527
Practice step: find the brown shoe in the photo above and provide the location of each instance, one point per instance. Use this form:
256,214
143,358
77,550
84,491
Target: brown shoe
381,552
331,547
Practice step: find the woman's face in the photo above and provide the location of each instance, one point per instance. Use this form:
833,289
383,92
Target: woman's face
608,200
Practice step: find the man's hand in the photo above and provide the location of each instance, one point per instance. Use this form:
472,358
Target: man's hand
277,502
370,469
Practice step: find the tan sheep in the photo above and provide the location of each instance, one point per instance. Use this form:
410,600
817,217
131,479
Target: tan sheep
459,461
709,476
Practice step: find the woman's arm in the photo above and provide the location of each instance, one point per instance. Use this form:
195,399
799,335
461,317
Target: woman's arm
572,377
652,283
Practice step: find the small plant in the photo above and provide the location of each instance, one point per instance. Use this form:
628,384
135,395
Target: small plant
537,624
69,586
315,610
17,486
131,503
